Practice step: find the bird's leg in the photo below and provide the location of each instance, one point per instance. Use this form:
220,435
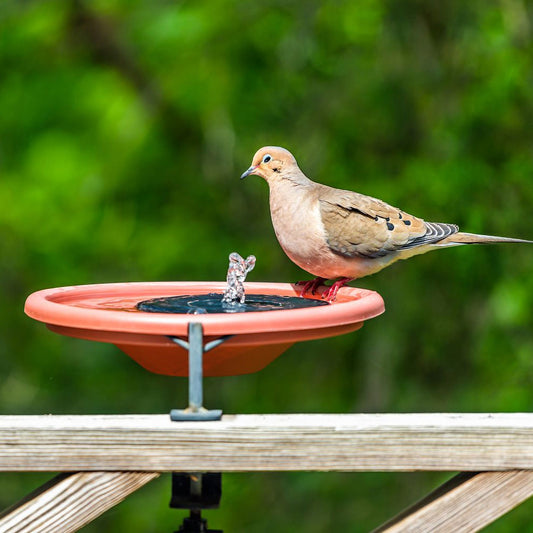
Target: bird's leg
331,293
311,285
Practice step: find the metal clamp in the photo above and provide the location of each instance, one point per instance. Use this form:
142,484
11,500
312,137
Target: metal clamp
195,346
196,491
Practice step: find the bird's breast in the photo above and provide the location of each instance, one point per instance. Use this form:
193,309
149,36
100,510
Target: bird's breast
298,226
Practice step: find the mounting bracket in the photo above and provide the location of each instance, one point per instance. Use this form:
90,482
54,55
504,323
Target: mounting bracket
195,346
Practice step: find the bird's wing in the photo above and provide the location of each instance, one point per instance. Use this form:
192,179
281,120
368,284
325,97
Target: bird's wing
359,225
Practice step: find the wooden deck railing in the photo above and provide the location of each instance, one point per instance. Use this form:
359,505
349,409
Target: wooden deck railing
109,457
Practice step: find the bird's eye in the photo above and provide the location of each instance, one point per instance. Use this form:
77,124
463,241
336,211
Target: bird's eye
267,158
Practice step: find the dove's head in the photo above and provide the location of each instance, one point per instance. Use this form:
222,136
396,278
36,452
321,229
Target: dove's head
271,162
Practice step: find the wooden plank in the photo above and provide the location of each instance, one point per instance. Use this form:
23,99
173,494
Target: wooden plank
353,442
70,501
468,502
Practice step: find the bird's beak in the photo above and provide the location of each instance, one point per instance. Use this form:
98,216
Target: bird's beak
251,170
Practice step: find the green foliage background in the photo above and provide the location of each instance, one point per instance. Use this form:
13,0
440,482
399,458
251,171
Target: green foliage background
124,127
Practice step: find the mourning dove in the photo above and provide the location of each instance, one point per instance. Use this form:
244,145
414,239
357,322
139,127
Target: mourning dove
333,233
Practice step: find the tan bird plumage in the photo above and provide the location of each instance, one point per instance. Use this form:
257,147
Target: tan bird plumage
333,233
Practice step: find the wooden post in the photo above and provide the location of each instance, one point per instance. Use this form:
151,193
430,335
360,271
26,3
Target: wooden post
70,501
468,502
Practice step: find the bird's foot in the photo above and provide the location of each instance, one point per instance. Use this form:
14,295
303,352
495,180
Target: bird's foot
310,286
330,294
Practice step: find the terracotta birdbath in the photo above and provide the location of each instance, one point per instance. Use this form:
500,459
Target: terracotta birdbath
109,313
201,328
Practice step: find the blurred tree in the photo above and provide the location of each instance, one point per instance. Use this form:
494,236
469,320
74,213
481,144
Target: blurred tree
124,128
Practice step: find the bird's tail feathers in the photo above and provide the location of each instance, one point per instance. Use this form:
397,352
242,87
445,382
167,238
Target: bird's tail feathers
472,238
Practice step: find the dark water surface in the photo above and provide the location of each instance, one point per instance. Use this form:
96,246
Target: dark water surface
212,303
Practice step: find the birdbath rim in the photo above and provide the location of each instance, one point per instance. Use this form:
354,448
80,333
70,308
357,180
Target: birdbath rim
98,306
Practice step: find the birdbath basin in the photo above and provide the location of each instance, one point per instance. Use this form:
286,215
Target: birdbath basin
109,313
